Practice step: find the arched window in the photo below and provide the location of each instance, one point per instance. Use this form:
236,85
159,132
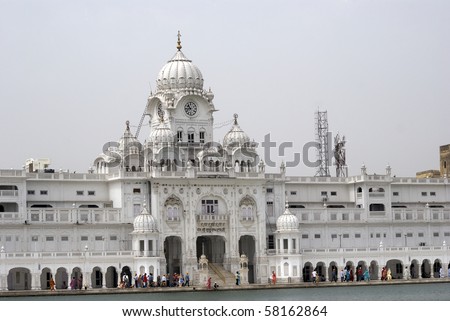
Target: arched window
359,190
172,213
173,208
247,207
286,269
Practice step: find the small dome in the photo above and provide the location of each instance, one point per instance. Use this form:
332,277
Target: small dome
161,134
179,73
287,221
144,222
236,137
128,142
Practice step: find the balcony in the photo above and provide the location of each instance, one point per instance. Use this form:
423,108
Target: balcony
9,193
212,218
73,216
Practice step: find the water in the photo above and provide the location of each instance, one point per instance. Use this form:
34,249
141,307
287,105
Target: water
384,292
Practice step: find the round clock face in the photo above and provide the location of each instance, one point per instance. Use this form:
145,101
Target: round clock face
190,108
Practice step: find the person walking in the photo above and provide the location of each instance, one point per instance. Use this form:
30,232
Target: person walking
274,278
52,284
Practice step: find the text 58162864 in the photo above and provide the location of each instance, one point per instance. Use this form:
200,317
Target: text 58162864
295,311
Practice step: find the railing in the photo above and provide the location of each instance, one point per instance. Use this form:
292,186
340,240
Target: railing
65,175
11,172
364,249
73,215
217,272
10,217
212,217
4,193
71,254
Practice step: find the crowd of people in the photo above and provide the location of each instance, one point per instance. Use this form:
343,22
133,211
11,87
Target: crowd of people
150,281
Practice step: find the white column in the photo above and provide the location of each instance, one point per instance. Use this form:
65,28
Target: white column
3,271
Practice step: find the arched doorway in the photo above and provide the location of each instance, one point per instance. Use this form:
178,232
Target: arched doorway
173,254
45,278
19,279
426,269
76,279
307,270
111,277
360,269
61,278
396,267
350,266
373,270
247,247
126,271
321,271
436,268
97,278
213,247
414,269
333,272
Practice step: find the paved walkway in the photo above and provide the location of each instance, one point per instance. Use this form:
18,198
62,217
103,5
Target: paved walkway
225,288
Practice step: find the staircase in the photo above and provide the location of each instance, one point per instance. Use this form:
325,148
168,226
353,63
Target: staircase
218,274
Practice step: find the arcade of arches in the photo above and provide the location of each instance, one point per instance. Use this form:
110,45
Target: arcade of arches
414,270
21,278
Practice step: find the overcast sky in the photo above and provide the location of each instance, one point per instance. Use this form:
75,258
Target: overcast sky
72,73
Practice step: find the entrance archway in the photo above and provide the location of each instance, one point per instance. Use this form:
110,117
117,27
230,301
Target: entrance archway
173,254
247,247
213,247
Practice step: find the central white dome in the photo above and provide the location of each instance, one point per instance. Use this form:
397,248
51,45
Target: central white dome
179,73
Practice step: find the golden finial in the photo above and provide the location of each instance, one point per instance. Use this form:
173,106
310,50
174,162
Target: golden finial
179,41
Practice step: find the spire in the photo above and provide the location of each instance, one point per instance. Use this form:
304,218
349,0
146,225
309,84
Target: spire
179,41
127,123
235,116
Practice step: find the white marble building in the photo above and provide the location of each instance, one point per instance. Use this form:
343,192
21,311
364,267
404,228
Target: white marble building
158,206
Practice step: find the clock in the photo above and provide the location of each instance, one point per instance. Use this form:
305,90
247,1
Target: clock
190,108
